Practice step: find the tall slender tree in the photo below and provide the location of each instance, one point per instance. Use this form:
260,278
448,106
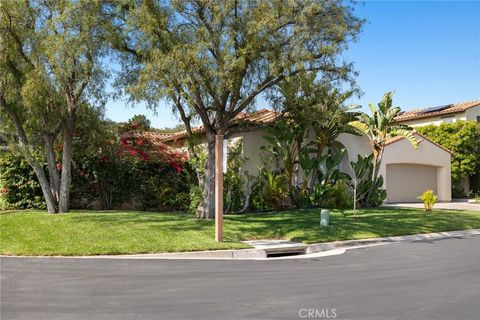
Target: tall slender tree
213,59
51,53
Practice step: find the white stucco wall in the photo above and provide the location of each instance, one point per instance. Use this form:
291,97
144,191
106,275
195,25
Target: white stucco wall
252,142
402,152
435,120
472,113
355,145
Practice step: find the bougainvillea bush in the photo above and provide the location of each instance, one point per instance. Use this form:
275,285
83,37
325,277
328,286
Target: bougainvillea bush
134,171
131,179
128,170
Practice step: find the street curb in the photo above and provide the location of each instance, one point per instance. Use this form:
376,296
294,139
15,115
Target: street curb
318,247
261,254
192,255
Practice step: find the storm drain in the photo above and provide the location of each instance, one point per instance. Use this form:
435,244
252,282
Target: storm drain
277,254
278,248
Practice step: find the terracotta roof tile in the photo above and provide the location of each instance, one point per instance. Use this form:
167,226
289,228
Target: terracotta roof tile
156,140
262,116
399,138
449,109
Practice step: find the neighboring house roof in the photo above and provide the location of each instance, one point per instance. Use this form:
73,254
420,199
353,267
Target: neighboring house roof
260,117
155,140
399,138
436,111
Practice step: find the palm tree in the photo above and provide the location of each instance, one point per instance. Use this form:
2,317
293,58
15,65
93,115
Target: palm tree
379,128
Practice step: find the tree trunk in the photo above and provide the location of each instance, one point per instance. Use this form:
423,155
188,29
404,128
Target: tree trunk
207,207
47,192
66,180
54,177
321,144
377,159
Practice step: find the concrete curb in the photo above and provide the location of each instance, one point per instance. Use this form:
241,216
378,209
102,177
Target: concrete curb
318,247
261,254
206,255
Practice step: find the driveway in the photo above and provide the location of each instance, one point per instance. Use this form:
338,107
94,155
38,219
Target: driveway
454,205
420,280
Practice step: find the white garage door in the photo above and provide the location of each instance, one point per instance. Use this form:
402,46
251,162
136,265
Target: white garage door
405,182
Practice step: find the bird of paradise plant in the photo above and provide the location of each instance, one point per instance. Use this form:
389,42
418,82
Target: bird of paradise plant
380,127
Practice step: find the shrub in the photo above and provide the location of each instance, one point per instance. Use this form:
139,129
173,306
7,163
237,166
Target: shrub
429,199
339,196
150,185
257,197
19,187
276,190
195,199
234,178
112,181
361,182
463,138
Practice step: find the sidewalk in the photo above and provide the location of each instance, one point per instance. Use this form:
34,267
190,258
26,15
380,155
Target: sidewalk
454,205
263,247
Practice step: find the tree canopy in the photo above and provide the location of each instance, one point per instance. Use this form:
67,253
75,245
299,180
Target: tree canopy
463,139
51,64
212,59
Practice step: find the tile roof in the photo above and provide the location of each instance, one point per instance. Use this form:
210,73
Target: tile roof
399,138
156,139
262,116
448,109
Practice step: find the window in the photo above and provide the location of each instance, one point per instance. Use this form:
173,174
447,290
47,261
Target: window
448,120
478,119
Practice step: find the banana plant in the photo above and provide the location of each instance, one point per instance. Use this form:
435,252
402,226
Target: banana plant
380,127
275,189
284,146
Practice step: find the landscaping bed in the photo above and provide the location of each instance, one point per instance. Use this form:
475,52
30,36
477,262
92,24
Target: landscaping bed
120,232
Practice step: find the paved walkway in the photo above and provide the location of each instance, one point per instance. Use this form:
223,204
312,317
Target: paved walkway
454,205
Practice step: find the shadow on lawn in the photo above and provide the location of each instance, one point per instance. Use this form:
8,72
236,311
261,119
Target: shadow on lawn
299,225
305,226
170,221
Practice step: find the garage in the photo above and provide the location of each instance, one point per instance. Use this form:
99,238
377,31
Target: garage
408,172
405,182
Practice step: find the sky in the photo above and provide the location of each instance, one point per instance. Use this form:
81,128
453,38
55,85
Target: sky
428,52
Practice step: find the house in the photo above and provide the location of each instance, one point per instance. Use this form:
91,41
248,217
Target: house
442,114
407,172
446,114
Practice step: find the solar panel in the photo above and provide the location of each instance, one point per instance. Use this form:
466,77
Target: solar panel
434,109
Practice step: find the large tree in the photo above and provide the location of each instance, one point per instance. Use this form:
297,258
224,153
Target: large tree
212,59
51,55
314,105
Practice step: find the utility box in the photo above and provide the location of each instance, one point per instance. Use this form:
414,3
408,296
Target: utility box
324,217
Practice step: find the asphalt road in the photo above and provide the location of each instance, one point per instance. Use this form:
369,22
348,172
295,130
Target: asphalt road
422,280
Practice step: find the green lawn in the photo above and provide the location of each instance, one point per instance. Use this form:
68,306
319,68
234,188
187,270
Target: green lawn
113,232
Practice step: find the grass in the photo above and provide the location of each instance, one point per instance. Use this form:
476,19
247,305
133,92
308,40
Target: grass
117,232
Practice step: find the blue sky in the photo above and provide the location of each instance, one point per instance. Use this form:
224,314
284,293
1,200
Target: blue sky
427,51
